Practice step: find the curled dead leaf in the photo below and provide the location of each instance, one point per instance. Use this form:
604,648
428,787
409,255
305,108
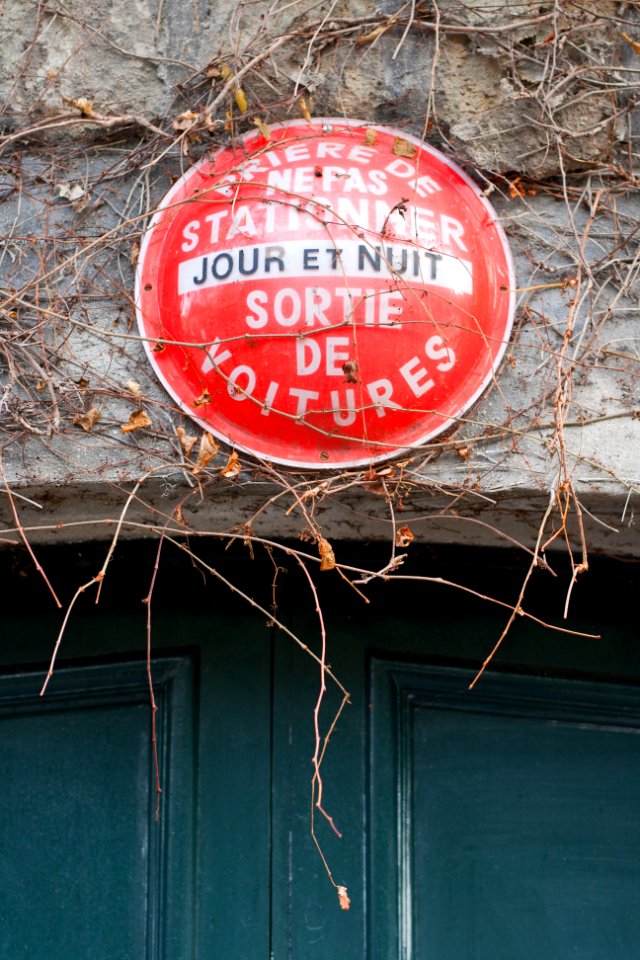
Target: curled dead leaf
370,137
184,121
87,420
263,127
134,388
404,537
134,253
82,104
350,368
232,467
515,190
179,515
632,43
85,106
304,109
518,189
241,100
376,32
205,397
343,898
70,192
248,533
206,453
187,441
402,148
138,420
375,480
327,556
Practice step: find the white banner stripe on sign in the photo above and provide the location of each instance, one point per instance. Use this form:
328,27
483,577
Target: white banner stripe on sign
406,263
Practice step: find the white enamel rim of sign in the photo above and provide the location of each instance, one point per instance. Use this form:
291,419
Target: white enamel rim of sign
328,124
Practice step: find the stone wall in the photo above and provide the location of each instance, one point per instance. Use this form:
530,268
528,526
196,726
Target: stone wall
104,105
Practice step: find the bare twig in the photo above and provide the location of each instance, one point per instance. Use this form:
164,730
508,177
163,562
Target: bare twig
24,539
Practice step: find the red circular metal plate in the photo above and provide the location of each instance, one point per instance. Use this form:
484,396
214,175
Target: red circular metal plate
331,296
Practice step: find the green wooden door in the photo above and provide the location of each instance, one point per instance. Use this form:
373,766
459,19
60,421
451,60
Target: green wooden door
515,831
493,824
86,871
500,823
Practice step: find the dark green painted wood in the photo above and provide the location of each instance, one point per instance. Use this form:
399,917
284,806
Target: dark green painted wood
369,771
237,750
307,922
516,830
211,882
84,869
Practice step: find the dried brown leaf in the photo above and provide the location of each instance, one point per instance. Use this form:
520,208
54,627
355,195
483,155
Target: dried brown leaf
343,898
402,148
370,137
85,106
248,533
304,109
327,556
184,121
350,368
263,127
375,480
207,451
178,514
205,397
517,189
404,537
632,43
374,34
87,420
232,467
67,191
187,440
241,100
82,104
138,420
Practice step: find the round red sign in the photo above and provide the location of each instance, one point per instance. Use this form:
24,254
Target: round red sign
331,295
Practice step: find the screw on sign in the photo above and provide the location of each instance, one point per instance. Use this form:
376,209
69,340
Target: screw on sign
330,296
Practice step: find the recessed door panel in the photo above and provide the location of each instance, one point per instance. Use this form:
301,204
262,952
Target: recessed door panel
86,870
514,827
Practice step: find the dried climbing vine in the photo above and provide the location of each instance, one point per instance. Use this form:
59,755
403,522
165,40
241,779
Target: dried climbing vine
552,141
